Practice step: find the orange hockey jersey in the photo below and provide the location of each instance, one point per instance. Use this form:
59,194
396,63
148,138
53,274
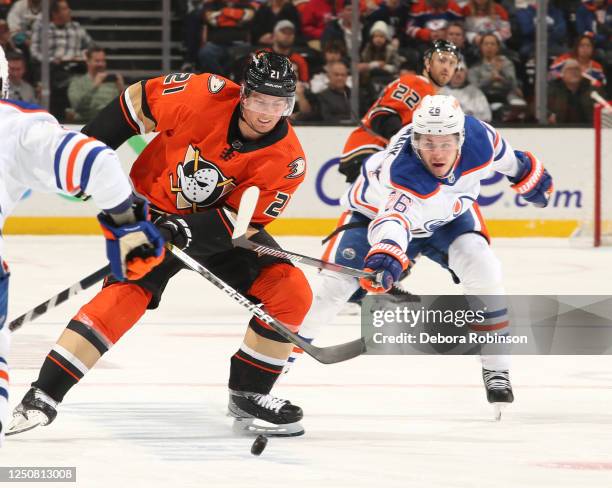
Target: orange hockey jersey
400,98
199,160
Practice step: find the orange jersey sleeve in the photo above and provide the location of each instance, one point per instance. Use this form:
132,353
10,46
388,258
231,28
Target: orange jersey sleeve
164,103
400,97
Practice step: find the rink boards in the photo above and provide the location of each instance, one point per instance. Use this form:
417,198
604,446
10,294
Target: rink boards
567,153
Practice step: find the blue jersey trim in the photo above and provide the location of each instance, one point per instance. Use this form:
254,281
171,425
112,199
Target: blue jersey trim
58,158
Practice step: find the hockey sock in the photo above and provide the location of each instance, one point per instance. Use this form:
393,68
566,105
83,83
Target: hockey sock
61,369
253,371
4,396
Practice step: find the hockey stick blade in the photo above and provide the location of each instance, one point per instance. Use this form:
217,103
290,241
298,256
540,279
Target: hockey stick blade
248,203
325,355
61,297
243,242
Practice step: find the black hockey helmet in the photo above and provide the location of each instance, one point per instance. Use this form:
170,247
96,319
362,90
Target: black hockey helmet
271,74
442,46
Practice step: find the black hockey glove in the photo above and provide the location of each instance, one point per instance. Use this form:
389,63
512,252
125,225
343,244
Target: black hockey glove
174,229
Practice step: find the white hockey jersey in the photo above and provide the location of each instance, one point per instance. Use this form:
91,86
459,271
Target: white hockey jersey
405,201
37,153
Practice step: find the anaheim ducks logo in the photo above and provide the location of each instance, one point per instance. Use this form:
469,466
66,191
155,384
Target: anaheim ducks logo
297,167
200,183
215,85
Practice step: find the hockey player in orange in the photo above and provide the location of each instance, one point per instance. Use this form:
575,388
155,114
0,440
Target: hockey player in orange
215,139
395,106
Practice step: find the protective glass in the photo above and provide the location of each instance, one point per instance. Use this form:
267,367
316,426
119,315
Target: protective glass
267,104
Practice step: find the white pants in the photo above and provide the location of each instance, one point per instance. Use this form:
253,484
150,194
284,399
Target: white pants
469,256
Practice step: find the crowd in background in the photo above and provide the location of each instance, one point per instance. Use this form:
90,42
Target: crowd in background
495,79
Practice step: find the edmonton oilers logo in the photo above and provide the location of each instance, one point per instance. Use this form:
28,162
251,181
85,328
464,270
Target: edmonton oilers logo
349,253
457,207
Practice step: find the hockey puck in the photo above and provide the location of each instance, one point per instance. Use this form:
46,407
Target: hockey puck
259,445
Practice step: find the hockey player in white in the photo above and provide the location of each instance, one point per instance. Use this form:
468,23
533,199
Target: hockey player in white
37,153
418,197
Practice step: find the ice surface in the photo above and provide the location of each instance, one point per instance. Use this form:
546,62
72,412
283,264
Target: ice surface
152,413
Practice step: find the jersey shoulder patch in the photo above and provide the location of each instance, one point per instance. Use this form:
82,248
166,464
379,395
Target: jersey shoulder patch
215,84
297,168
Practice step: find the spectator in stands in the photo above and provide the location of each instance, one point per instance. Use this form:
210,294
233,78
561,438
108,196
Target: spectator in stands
583,53
228,32
455,33
19,89
334,102
379,57
67,43
282,43
472,99
91,92
21,19
485,17
526,22
424,13
395,14
340,29
595,17
495,74
569,98
267,17
315,15
332,52
5,38
4,7
67,39
304,102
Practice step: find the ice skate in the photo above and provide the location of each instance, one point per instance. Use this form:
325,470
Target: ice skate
36,409
255,414
499,389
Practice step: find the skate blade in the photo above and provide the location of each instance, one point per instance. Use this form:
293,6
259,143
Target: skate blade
498,409
22,423
255,427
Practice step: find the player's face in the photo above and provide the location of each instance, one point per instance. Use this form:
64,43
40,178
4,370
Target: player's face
442,67
438,152
261,123
262,112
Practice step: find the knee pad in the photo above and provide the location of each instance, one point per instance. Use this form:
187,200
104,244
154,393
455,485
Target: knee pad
285,293
114,310
473,261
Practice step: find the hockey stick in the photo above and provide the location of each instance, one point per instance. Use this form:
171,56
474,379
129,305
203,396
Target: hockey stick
325,355
61,297
248,203
245,243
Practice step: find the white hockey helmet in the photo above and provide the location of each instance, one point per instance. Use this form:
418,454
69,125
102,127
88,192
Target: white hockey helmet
438,115
4,73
